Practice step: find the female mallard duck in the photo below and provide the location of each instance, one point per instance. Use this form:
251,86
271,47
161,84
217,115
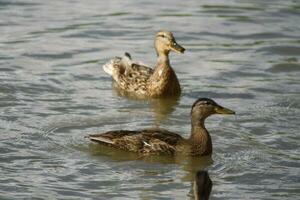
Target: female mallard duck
141,81
161,141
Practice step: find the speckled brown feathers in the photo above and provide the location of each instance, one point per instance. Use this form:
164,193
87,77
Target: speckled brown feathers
163,82
161,141
134,79
147,141
144,82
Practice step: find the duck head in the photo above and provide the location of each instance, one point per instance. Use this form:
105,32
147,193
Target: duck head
165,42
204,107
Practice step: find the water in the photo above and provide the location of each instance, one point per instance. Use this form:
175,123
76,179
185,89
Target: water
53,92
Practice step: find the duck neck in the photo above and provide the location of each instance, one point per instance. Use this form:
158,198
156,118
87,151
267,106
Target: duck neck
198,128
162,60
163,81
200,137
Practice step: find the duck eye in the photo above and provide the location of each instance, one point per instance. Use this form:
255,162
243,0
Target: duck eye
207,103
163,35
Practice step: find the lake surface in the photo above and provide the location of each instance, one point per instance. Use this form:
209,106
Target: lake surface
53,92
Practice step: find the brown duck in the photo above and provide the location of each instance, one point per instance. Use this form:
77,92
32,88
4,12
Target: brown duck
161,141
140,81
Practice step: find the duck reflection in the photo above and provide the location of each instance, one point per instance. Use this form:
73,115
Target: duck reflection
192,166
161,107
202,185
187,163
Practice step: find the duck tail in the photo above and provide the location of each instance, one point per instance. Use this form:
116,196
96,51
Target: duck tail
118,62
100,139
108,67
127,55
126,60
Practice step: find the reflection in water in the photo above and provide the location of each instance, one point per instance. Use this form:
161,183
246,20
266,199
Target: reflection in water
202,185
193,166
161,107
189,164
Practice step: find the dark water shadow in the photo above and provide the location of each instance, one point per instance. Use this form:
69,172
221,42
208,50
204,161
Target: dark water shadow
284,67
201,186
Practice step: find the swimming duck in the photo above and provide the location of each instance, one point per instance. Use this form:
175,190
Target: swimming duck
161,141
141,81
202,185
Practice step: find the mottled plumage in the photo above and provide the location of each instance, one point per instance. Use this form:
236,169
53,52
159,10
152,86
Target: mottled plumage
147,141
161,141
142,81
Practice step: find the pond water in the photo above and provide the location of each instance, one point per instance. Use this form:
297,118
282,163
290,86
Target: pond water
53,92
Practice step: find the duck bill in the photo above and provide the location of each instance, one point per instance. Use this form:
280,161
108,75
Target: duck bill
177,48
222,110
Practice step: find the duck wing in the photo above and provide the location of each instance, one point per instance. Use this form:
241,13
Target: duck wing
130,76
147,141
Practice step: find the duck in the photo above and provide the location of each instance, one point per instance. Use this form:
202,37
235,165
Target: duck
140,81
158,141
202,185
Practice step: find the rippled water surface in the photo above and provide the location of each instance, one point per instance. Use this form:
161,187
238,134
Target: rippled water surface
53,92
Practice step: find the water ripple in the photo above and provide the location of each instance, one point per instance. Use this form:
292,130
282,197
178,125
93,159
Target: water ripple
54,92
